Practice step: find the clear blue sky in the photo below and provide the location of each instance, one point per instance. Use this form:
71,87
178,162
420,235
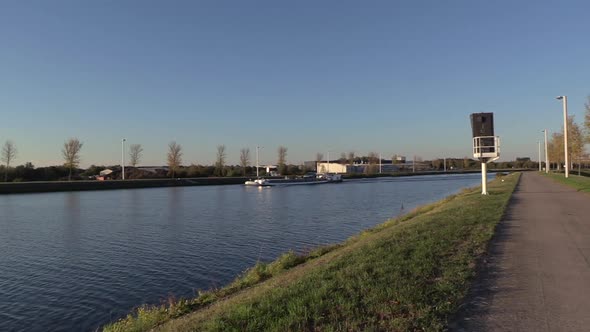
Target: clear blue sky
315,76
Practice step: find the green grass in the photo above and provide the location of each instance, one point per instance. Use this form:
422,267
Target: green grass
580,183
407,274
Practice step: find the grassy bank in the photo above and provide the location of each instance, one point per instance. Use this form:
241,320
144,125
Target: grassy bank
409,273
580,183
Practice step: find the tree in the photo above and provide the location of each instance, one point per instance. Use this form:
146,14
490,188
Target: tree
575,147
174,157
372,159
466,163
71,154
244,159
437,164
282,161
587,121
555,149
318,159
576,140
220,163
135,153
343,158
351,157
8,155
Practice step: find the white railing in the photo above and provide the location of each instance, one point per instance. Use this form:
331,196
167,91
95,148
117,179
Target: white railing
486,147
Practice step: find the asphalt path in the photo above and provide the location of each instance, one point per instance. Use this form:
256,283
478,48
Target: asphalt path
537,274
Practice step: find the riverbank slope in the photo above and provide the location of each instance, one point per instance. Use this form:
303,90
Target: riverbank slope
407,274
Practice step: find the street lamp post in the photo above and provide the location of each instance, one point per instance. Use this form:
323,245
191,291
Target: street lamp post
257,161
546,154
123,158
564,99
539,144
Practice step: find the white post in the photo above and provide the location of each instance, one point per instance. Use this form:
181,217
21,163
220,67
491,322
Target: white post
546,154
484,179
445,164
328,162
123,158
379,163
567,166
414,164
257,161
539,144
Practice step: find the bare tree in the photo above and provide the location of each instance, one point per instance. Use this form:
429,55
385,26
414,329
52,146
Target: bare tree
220,163
587,120
71,154
318,159
282,161
343,158
135,153
351,157
8,154
244,159
373,159
174,157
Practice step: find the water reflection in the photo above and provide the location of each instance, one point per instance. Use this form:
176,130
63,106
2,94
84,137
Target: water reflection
175,204
72,216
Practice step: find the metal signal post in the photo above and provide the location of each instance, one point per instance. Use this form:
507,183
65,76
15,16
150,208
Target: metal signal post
486,146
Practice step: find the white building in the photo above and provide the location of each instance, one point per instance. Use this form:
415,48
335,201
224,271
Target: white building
323,167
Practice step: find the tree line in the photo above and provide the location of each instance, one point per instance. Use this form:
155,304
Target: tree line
71,154
578,136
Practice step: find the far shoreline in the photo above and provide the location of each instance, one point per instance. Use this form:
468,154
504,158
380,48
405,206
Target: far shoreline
65,186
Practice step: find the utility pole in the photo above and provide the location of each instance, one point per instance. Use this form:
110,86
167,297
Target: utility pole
257,161
567,166
123,158
445,163
379,163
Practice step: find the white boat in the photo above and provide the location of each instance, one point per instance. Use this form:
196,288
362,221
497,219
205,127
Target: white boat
305,180
330,177
257,182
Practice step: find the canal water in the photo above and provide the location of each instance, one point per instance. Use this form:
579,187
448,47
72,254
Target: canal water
75,261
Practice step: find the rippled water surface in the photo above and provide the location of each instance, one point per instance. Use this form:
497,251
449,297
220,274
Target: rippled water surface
75,261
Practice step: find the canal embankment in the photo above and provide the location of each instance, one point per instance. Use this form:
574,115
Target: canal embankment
57,186
409,273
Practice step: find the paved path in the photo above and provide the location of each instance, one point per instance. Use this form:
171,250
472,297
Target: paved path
537,277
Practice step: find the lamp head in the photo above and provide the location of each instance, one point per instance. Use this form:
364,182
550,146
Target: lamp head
559,97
